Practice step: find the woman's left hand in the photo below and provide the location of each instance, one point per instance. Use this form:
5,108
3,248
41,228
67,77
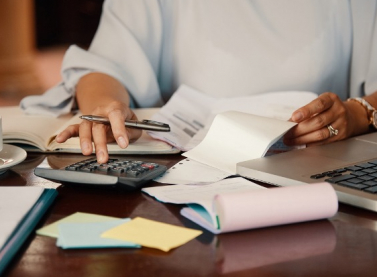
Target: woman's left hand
325,119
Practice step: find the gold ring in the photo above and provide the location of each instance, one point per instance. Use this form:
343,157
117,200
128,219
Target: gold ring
332,131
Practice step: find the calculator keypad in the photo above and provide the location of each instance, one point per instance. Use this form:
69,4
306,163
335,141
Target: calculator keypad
118,167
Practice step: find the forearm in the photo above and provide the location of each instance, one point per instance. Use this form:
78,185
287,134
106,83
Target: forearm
98,89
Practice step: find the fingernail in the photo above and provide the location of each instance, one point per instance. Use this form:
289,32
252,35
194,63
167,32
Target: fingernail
297,116
85,147
58,139
100,157
122,142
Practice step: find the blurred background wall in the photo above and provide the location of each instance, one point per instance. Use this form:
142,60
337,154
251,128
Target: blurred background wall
34,34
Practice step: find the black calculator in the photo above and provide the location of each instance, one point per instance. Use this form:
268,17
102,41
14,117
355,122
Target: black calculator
118,173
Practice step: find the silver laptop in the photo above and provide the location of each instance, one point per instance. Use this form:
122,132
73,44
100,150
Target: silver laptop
349,165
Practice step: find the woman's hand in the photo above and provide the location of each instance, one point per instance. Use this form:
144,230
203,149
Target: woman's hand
326,119
101,134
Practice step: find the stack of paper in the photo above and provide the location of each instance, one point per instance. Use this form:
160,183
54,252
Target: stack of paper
224,131
237,204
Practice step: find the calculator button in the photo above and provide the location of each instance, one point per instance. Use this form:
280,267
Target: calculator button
116,170
133,173
103,167
86,169
148,165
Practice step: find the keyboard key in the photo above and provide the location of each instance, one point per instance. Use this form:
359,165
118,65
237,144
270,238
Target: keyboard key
353,168
339,178
365,165
366,177
372,189
373,162
370,183
334,174
358,173
317,176
353,185
368,170
355,181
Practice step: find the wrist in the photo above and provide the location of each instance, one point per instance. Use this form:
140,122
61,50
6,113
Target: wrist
357,119
369,111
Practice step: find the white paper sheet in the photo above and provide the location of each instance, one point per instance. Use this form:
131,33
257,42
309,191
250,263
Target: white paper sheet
235,137
188,171
15,203
202,194
186,113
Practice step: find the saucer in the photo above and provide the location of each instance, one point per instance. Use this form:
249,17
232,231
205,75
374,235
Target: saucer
10,156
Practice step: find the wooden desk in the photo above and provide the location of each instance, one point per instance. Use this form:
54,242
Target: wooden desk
344,246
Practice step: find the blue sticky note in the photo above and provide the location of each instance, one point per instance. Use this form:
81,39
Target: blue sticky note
88,235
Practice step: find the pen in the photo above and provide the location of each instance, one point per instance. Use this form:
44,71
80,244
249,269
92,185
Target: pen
145,124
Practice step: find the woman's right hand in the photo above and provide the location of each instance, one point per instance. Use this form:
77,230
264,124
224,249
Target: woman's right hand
100,134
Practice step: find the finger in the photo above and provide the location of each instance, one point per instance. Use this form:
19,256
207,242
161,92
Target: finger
123,135
318,137
322,103
118,128
69,132
99,132
85,133
310,125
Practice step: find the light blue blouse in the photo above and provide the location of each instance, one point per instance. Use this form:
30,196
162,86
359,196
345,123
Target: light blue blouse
224,48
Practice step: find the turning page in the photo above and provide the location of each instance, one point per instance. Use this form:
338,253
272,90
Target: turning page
235,137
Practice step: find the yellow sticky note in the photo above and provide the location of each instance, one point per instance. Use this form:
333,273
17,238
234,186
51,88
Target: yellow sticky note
52,230
152,234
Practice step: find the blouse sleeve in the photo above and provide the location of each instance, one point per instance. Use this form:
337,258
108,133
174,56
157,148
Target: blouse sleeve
127,46
363,71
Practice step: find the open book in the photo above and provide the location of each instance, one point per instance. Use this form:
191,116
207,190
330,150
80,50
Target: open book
237,204
38,132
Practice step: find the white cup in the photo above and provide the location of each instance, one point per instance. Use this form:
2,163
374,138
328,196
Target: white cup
1,136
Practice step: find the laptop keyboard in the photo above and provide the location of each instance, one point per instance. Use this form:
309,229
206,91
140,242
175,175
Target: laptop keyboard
362,176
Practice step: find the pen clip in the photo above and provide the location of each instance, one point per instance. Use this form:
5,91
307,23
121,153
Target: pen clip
152,122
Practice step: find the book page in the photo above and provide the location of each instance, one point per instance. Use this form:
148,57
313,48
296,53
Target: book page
34,130
144,145
40,131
